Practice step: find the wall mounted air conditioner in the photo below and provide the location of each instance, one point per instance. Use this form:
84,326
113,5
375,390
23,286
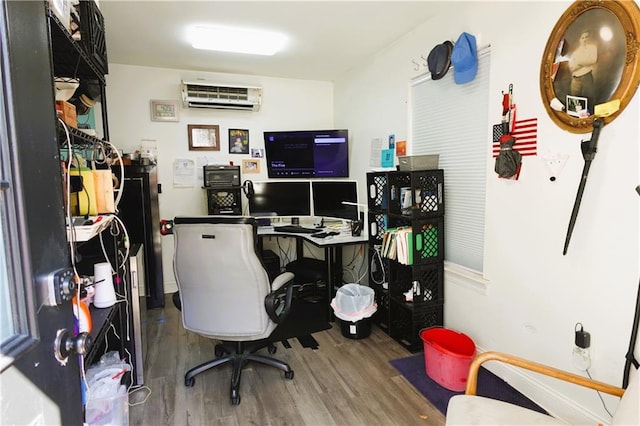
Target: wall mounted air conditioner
200,94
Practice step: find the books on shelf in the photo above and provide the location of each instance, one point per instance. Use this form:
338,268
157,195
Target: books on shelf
397,244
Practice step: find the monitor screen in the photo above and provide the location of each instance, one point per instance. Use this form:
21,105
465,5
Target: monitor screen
280,199
329,195
307,154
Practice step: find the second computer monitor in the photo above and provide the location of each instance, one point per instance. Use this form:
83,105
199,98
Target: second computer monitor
329,198
280,199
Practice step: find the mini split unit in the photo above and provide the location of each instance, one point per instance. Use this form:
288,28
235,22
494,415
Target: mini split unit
221,96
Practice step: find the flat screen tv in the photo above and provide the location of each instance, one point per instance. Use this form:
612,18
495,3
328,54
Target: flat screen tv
307,153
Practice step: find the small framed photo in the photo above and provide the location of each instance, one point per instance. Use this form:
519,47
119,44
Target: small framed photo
257,153
204,137
251,166
165,110
578,106
238,141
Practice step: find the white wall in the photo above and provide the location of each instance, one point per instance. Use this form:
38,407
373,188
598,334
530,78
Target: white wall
287,105
534,295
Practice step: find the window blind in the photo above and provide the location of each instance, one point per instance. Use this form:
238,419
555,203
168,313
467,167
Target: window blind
451,120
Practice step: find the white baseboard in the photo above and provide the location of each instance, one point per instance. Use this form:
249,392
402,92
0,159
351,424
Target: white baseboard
554,402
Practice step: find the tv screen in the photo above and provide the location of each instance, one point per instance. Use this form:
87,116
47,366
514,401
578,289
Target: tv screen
307,153
328,197
280,199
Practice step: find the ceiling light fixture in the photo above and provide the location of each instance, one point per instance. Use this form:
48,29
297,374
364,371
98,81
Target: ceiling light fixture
237,40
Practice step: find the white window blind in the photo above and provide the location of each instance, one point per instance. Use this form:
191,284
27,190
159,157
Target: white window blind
451,120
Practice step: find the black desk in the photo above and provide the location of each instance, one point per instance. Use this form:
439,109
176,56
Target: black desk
332,252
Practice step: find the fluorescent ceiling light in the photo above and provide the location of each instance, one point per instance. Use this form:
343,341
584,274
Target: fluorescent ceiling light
237,40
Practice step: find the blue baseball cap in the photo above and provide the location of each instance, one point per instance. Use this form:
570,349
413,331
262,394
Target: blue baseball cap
464,58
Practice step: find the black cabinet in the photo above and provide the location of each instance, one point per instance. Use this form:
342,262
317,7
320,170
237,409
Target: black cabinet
140,213
409,287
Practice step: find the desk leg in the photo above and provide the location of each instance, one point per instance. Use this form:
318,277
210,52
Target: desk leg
328,254
333,258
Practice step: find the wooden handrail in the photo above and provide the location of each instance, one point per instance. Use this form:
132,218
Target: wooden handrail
472,379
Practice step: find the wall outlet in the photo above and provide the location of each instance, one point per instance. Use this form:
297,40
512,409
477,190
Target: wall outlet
581,358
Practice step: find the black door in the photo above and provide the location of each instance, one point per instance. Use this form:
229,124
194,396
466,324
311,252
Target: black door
37,387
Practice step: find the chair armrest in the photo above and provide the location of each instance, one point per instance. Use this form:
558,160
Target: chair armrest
282,279
472,380
278,302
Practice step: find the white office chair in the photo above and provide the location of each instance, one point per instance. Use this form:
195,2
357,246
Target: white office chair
225,293
471,409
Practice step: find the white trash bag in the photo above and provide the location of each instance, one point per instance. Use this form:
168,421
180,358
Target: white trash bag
354,302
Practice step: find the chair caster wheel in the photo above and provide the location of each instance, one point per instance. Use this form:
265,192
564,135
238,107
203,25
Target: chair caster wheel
288,375
272,349
189,382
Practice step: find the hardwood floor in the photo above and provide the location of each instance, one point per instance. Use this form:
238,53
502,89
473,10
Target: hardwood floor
343,382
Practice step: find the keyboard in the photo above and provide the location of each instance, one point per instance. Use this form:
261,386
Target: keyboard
295,229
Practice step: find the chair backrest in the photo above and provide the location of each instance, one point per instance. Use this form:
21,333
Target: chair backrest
221,279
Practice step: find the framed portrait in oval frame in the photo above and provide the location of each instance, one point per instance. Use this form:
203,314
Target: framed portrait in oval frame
591,58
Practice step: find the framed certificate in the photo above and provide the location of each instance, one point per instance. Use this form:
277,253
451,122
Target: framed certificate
204,137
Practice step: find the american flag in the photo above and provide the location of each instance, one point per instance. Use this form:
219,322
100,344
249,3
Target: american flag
526,134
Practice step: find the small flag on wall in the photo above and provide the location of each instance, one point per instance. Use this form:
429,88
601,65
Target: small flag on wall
526,134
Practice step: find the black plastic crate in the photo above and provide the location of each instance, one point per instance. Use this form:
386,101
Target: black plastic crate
378,267
429,289
428,241
93,37
224,201
407,321
377,191
426,283
377,225
381,316
416,194
428,188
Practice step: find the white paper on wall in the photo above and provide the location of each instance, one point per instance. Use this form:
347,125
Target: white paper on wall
184,173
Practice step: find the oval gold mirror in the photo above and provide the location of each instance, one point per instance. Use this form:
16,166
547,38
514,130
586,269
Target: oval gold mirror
591,58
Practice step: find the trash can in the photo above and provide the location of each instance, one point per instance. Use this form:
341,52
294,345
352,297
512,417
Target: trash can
447,356
353,305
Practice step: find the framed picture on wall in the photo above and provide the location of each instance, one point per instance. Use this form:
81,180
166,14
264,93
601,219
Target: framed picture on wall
165,110
238,141
591,59
251,166
204,137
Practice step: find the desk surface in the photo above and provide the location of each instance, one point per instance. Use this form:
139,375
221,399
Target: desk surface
334,240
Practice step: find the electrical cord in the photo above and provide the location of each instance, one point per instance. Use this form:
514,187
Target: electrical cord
350,267
600,396
377,257
115,232
120,188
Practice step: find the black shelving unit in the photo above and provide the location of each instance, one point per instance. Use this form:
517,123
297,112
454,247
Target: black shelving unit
424,277
77,59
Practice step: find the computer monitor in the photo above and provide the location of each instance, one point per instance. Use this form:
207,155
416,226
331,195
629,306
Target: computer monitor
328,198
280,199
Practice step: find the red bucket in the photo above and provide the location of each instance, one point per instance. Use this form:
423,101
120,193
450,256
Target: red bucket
447,356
